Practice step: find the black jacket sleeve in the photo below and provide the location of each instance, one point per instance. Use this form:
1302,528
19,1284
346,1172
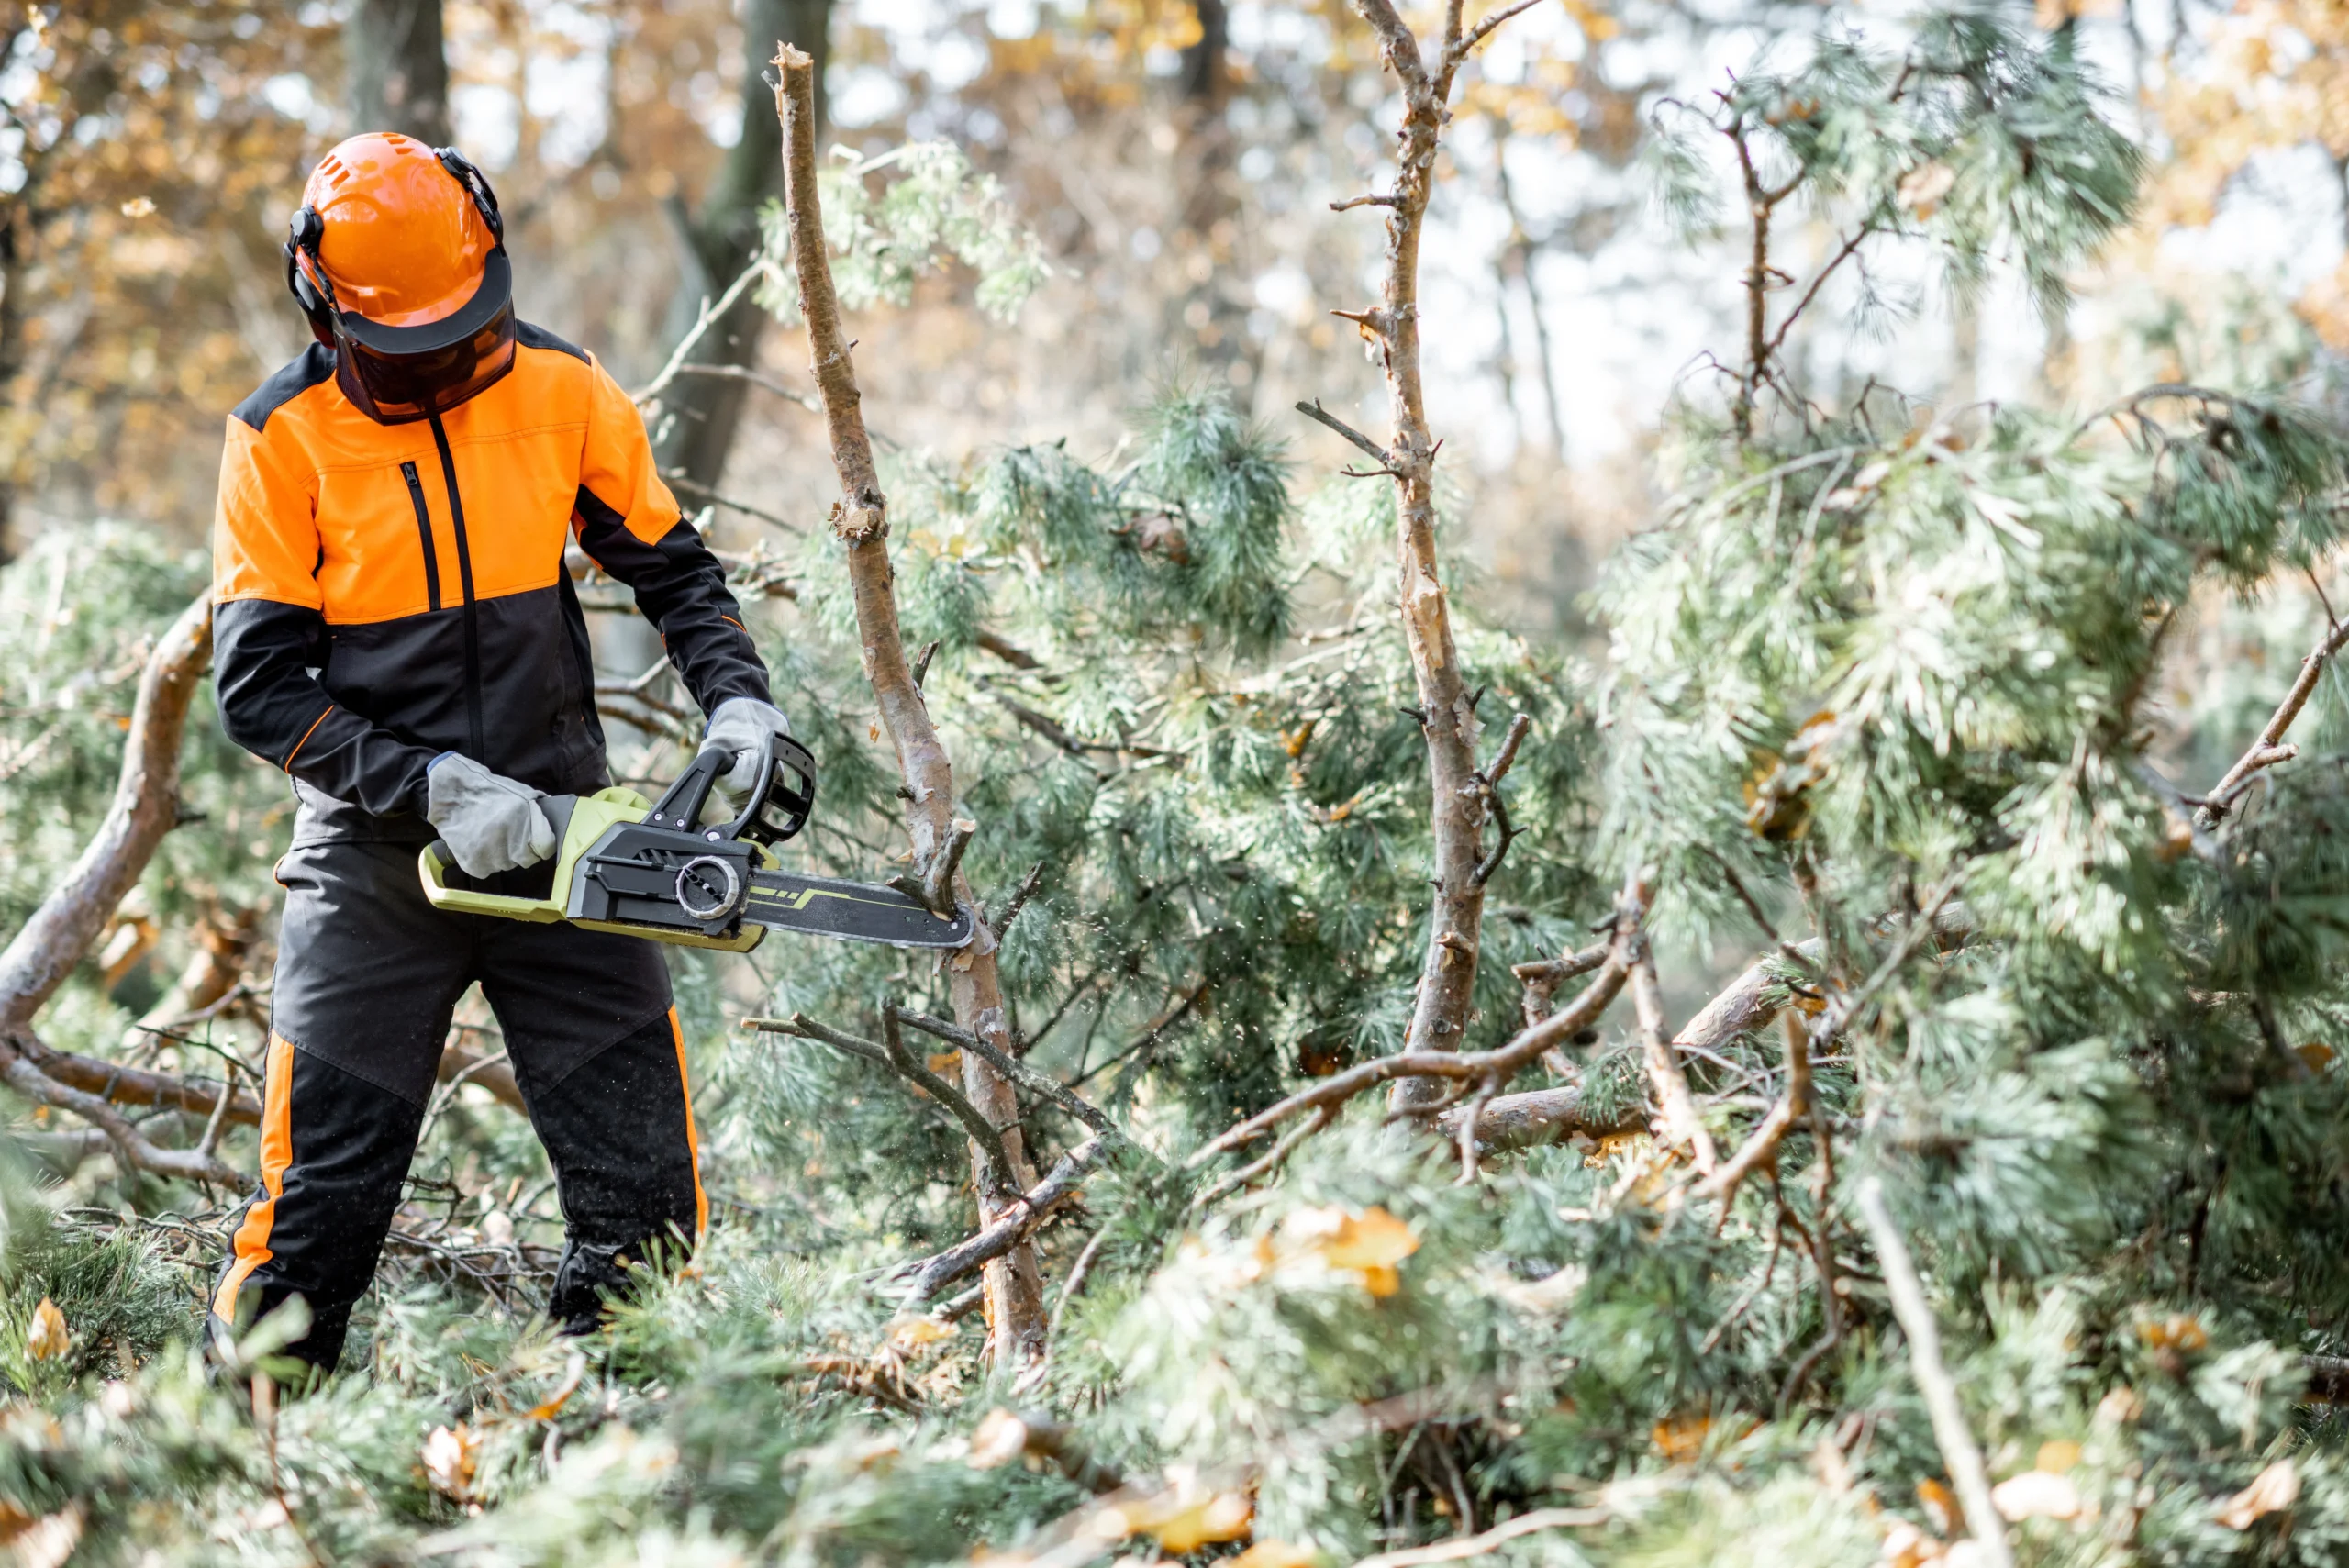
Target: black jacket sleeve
263,652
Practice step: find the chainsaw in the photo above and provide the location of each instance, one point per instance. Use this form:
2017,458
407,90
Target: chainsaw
652,869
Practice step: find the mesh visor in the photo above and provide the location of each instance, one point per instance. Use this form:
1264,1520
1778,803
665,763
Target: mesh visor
396,389
398,374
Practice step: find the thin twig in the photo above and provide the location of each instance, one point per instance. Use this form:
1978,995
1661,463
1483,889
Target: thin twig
2270,748
1954,1438
1026,890
1463,1546
1019,1072
1677,1108
1315,412
692,487
703,320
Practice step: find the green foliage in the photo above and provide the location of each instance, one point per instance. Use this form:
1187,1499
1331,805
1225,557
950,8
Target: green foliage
937,209
1905,691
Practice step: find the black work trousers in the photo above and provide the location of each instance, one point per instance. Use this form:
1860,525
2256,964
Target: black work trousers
368,974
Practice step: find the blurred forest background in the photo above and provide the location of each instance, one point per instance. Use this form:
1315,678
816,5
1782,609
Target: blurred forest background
1889,457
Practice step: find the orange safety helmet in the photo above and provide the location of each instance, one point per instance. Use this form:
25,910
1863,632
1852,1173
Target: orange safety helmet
397,256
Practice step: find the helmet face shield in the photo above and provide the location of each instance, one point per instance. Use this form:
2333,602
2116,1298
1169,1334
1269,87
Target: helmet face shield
398,389
397,256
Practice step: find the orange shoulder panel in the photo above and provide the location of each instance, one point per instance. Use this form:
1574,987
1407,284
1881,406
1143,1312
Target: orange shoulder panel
265,532
618,464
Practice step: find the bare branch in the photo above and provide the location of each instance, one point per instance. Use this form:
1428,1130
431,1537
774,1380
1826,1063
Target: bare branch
692,487
1009,1228
1955,1440
1465,1546
1019,1072
1678,1110
1373,199
1027,889
1319,414
2270,748
1468,41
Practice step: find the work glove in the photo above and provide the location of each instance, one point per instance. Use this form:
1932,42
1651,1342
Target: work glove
491,823
741,725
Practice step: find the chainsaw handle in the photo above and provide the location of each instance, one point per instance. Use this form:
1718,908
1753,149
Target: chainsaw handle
680,807
787,781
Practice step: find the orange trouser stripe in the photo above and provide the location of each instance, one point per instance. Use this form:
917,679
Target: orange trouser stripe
693,1139
276,1154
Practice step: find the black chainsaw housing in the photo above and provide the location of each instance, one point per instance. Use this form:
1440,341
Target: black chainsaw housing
671,871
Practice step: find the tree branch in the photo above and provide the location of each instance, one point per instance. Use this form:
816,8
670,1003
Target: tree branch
1319,414
1016,1313
1020,1074
2270,748
1007,1229
1955,1440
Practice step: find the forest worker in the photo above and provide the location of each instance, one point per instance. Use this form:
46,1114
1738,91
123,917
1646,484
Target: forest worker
395,630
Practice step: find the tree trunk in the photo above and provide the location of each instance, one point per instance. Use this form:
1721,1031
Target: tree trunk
1015,1289
1439,1014
398,74
700,413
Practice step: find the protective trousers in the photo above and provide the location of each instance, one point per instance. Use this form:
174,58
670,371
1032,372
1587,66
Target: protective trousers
368,976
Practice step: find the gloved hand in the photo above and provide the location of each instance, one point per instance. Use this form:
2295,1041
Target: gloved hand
493,823
741,725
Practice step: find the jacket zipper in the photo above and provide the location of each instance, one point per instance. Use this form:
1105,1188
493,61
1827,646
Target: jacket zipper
465,582
423,535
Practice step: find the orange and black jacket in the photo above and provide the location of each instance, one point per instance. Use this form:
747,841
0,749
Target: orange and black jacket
386,592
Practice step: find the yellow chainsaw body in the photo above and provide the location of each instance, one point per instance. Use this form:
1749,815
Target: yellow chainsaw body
590,819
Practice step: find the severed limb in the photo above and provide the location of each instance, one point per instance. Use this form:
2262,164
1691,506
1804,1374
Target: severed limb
146,806
860,519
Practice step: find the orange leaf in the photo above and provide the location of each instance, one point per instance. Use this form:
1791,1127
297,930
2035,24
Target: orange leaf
47,1339
2272,1490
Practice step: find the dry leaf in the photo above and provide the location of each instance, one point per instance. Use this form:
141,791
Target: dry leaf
1833,1469
2316,1053
2179,1331
2119,1407
1002,1437
47,1542
912,1332
2058,1456
47,1339
1906,1546
450,1455
946,1062
2036,1494
1276,1554
1367,1245
2273,1489
548,1408
1224,1517
497,1229
1682,1439
1921,189
1940,1504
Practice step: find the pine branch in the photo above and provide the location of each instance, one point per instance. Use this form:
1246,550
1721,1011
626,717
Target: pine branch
1676,1108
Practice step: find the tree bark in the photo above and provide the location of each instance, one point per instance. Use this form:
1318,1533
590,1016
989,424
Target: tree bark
695,430
397,71
1015,1293
1439,1014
